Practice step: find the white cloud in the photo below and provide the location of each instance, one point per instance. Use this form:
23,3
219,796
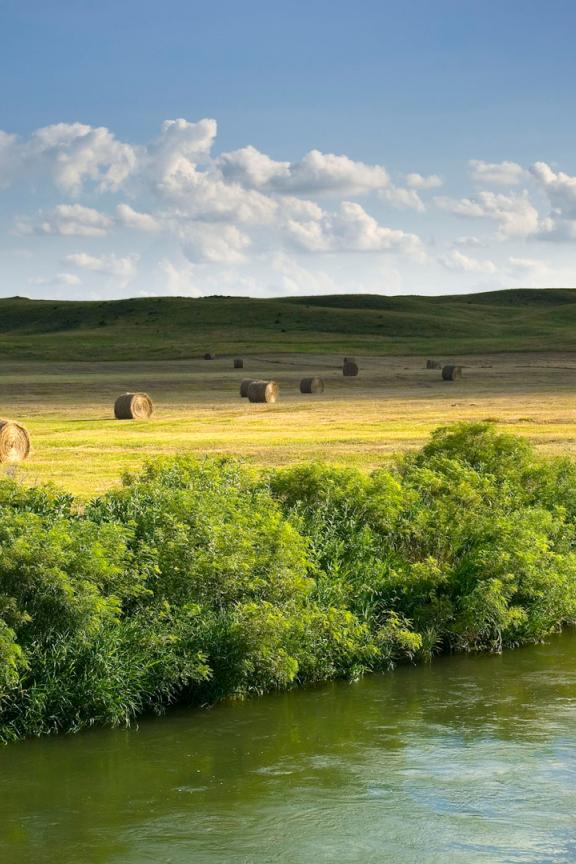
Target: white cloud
469,240
350,229
213,242
131,218
111,265
204,195
176,278
515,214
530,265
249,167
74,153
235,216
181,144
301,208
557,229
68,220
75,220
182,174
403,198
316,173
457,261
319,173
496,173
418,181
559,187
560,190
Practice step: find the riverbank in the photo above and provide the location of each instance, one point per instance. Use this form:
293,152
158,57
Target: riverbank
198,581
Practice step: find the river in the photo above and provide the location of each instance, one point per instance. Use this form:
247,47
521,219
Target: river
471,759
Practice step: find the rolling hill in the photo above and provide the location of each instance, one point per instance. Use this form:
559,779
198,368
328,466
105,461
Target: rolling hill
179,328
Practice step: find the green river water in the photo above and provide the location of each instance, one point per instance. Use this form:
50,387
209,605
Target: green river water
471,759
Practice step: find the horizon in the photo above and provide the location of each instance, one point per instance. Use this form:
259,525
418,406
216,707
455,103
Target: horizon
300,297
249,152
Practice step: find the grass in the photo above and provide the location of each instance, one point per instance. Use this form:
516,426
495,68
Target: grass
183,328
394,404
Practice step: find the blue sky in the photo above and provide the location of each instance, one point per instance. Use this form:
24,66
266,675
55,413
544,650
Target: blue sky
414,147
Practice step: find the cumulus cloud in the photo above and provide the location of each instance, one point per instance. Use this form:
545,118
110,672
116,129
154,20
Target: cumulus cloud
496,173
215,206
458,262
74,153
329,173
316,173
183,176
249,167
559,187
300,208
516,215
218,243
557,229
418,181
181,143
235,212
350,229
131,218
469,240
403,198
67,220
560,191
124,267
75,220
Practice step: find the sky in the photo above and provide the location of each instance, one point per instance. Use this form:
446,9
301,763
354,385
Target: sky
266,149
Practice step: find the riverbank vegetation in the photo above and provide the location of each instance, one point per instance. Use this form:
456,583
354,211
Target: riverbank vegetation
200,580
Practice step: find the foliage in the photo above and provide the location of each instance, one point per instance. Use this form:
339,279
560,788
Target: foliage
196,581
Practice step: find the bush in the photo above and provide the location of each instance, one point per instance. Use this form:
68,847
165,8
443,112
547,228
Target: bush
196,581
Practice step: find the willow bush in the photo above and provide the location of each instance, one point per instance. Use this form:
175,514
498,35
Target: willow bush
196,581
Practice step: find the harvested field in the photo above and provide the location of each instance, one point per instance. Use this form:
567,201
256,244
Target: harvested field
392,406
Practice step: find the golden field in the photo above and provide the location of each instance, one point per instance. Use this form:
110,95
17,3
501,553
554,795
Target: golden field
393,405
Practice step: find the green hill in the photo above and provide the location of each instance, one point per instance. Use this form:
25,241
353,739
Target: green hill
178,327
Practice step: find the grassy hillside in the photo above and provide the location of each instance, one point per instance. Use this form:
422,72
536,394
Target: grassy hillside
179,328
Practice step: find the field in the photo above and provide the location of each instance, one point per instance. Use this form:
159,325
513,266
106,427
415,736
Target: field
393,405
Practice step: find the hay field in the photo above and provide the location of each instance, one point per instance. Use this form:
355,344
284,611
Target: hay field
394,404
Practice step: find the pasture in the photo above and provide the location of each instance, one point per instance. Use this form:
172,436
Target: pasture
393,405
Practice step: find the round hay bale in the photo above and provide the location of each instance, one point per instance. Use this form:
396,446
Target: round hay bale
209,356
238,363
311,385
244,384
133,406
14,442
263,391
350,369
450,373
433,364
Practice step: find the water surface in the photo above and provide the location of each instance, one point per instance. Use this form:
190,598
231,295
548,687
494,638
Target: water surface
472,759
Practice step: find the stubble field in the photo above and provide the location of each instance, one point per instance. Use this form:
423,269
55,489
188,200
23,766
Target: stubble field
393,405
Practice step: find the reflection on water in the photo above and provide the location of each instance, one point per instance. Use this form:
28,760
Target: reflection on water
468,760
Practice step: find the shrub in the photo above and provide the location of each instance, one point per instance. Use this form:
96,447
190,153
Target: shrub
200,580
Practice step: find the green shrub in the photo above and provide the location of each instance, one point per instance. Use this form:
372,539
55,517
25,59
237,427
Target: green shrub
195,581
